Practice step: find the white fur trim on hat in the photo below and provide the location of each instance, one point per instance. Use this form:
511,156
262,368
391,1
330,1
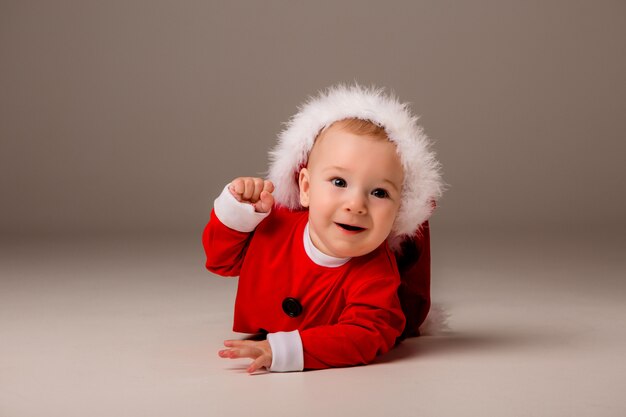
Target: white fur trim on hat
422,181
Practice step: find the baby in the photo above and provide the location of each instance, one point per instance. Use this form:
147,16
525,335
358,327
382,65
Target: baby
318,256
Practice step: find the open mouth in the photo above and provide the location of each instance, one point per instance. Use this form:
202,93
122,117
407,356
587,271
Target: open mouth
350,228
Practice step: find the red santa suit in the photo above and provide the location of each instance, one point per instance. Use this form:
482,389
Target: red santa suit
318,311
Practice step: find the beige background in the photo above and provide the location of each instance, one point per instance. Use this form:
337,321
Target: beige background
129,116
121,120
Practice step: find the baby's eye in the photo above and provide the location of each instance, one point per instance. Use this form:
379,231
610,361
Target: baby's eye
380,193
338,182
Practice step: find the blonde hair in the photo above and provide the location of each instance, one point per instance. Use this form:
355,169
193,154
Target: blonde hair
359,127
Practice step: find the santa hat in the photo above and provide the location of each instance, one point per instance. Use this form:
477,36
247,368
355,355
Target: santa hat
422,180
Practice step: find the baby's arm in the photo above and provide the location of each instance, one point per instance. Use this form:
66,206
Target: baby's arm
241,206
368,326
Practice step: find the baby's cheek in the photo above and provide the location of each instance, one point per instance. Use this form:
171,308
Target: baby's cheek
390,218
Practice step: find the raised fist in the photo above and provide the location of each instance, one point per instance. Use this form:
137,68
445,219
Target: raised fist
255,191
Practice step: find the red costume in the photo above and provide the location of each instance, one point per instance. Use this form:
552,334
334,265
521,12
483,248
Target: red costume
348,314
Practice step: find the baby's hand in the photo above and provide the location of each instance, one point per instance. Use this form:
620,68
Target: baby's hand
260,351
255,191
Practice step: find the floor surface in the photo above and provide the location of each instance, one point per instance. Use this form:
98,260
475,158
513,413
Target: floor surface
131,327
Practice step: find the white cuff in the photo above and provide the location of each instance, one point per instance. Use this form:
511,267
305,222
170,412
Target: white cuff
287,352
235,214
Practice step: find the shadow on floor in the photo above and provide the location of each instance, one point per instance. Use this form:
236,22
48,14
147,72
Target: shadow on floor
450,343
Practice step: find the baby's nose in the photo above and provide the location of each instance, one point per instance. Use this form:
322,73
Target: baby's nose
356,204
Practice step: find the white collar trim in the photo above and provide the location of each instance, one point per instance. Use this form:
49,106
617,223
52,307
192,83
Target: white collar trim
318,256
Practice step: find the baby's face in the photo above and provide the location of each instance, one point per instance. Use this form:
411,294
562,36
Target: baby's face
352,186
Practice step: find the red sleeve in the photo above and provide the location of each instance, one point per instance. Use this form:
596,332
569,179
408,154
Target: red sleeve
224,247
414,292
367,327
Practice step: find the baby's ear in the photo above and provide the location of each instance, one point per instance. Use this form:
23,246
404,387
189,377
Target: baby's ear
303,182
